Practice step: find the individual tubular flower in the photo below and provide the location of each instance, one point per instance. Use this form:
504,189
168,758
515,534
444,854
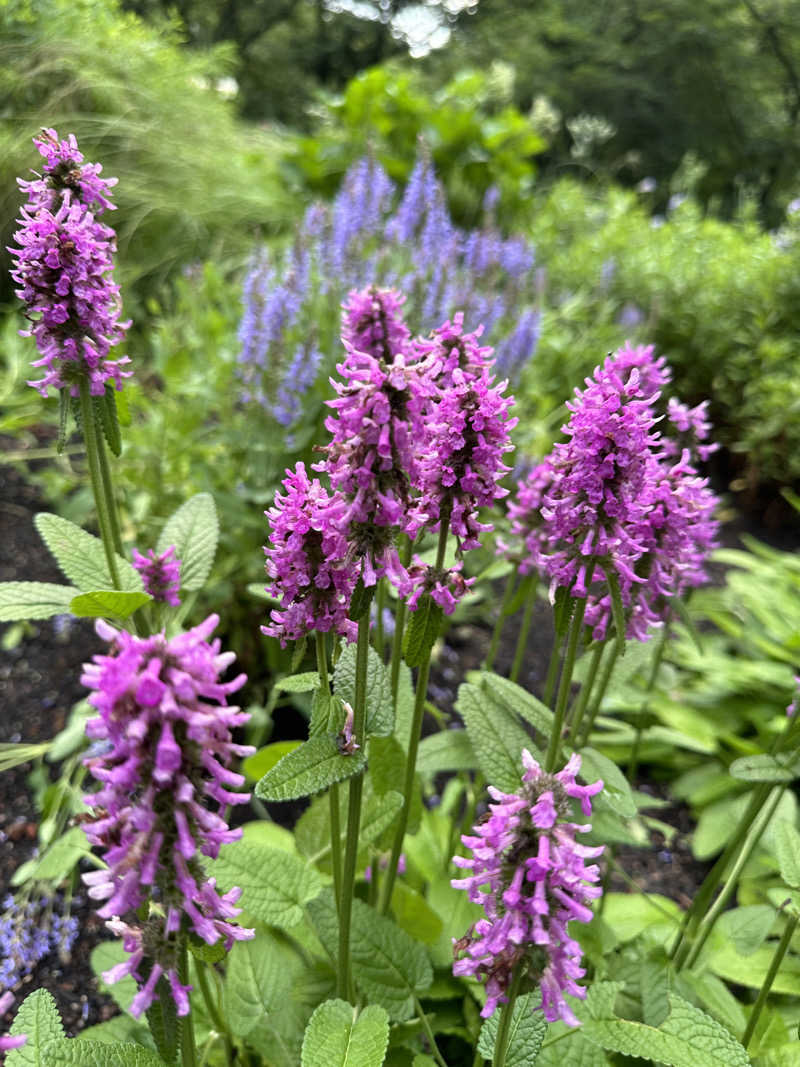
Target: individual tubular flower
528,874
9,1041
449,351
161,575
372,456
466,434
63,266
693,426
165,782
372,322
306,560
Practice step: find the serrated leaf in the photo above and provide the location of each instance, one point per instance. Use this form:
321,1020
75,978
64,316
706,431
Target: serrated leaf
421,631
380,708
309,769
194,530
404,708
449,750
276,885
616,793
338,1035
763,768
496,738
747,928
107,604
655,983
80,1053
388,965
360,601
326,710
105,408
37,1017
81,556
516,699
526,1033
162,1019
256,766
119,1029
34,600
787,850
687,1038
298,683
599,1001
258,978
575,1051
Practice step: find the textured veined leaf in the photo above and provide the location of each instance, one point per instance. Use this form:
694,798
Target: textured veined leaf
449,750
79,1053
617,793
34,600
107,604
787,848
276,885
422,630
37,1016
747,928
194,530
380,707
81,556
526,1034
496,738
338,1035
309,769
389,966
298,683
519,700
259,975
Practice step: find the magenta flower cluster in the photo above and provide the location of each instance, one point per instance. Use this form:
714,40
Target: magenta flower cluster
63,266
619,500
164,738
307,561
529,875
372,322
161,575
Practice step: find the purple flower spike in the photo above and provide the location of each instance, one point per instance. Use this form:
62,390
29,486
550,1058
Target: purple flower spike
372,322
307,561
164,775
161,574
528,874
63,266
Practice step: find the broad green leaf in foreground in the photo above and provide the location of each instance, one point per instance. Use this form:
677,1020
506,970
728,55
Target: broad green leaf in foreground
37,1017
389,966
82,557
309,769
528,1027
193,529
338,1035
34,600
276,885
449,750
259,976
687,1038
107,604
380,706
617,793
497,739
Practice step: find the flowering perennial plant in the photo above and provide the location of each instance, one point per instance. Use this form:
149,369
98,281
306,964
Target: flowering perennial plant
165,783
306,562
528,874
161,575
63,266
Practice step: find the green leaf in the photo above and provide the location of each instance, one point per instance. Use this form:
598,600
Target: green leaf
421,632
309,769
119,1029
360,600
449,750
298,683
413,914
787,849
496,738
404,711
162,1019
516,699
380,707
33,600
13,753
80,1053
630,914
259,976
313,830
37,1017
616,793
526,1033
338,1035
617,609
326,711
62,856
194,530
763,768
204,952
105,956
105,410
276,885
687,1038
81,556
389,966
752,970
107,604
262,761
747,928
655,987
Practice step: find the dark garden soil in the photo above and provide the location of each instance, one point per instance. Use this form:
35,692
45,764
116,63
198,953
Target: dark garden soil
39,682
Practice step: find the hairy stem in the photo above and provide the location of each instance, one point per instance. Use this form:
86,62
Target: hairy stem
508,596
90,435
504,1029
522,640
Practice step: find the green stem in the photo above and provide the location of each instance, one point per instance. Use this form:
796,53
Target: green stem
333,792
353,814
92,456
658,657
380,606
213,1010
597,696
108,491
413,744
399,627
185,1022
508,596
578,709
522,640
426,1026
706,925
552,673
504,1029
763,993
573,637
